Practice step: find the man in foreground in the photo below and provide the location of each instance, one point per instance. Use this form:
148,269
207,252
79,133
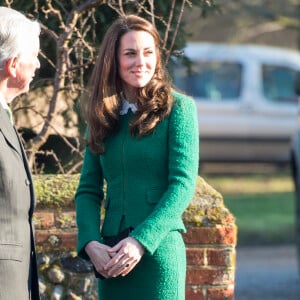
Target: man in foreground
19,48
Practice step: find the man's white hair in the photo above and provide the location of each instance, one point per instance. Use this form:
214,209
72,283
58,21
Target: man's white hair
16,33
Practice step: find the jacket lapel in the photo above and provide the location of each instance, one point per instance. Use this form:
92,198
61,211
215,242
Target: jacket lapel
11,136
9,132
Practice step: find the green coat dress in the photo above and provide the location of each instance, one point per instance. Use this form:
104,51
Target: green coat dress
150,182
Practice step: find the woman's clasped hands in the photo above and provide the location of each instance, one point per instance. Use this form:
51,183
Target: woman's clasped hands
117,260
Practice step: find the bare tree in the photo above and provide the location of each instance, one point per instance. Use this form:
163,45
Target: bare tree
75,51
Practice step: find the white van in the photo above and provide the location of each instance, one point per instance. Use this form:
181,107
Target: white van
247,107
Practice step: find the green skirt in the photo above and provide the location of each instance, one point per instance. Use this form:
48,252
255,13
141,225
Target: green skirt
160,276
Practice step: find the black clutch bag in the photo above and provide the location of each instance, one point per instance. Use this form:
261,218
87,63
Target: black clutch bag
112,241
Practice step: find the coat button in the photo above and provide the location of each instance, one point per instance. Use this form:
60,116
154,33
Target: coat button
27,181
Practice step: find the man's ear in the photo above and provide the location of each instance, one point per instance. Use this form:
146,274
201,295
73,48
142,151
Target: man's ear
11,66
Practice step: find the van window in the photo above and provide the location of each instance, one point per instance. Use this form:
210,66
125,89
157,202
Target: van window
278,83
212,80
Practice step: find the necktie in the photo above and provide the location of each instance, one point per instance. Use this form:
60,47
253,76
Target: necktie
9,113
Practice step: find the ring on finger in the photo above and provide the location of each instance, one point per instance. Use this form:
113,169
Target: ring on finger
127,265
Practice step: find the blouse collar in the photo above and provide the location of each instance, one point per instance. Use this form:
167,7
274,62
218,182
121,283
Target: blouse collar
126,106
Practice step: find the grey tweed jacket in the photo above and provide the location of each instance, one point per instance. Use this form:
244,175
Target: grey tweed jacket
18,271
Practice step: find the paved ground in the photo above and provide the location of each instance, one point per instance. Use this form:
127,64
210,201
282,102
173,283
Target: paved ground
267,273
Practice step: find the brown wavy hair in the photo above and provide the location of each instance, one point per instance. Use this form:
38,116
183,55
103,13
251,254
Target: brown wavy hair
154,101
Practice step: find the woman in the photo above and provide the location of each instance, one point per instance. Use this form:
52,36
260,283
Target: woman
143,142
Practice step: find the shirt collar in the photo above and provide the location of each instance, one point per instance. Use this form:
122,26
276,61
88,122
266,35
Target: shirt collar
3,102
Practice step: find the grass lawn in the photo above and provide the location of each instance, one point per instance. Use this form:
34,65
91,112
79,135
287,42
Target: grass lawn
263,205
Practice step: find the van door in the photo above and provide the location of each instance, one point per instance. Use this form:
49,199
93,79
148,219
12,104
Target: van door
274,114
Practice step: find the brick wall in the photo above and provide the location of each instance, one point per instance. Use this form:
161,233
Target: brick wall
210,244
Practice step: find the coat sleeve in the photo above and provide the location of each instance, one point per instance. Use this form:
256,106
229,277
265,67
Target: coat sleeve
88,199
183,162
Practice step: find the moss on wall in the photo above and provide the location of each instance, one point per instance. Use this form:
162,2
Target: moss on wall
207,207
55,190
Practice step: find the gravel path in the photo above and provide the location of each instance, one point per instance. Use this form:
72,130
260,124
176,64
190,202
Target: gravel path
267,273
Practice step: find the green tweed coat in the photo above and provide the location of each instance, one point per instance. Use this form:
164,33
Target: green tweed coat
150,182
